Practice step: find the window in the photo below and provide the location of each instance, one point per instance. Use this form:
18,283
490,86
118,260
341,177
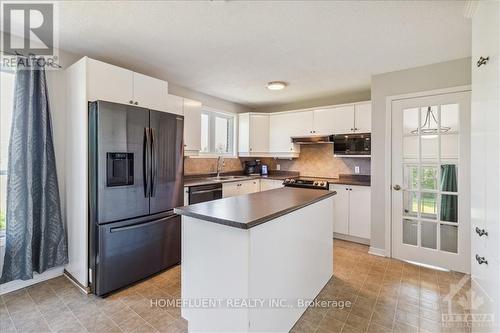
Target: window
217,132
6,105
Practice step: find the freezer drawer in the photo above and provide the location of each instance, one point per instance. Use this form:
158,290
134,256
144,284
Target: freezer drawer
129,252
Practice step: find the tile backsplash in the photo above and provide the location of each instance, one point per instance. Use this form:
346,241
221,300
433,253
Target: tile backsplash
193,166
314,160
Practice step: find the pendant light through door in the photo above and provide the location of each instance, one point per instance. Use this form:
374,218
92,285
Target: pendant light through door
430,125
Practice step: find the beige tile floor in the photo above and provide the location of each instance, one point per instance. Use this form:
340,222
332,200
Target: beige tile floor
387,296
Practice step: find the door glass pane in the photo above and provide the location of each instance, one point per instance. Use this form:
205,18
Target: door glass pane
428,235
410,232
449,147
410,148
410,121
429,147
449,208
429,178
221,134
410,204
428,205
449,178
411,177
429,120
449,118
449,238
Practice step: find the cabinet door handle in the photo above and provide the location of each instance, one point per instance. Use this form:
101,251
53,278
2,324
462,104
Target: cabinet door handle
481,232
481,260
347,189
131,102
136,103
397,187
482,61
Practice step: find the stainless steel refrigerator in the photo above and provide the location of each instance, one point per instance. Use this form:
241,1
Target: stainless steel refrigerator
136,179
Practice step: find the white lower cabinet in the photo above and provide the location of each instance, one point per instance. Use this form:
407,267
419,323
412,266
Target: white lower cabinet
270,184
240,188
351,212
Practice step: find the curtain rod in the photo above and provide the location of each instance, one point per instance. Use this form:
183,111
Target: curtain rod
17,54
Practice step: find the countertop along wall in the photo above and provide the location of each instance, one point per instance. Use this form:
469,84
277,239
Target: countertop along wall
436,76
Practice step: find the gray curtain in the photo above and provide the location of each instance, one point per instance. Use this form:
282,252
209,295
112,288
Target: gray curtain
35,235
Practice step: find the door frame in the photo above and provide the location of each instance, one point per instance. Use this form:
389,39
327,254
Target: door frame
388,148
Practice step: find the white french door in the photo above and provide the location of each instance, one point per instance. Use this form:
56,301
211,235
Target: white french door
430,180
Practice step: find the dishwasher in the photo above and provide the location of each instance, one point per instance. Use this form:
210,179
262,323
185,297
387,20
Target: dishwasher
202,193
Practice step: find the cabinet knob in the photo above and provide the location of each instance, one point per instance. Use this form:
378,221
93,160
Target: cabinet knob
250,149
481,232
136,103
482,61
481,260
131,102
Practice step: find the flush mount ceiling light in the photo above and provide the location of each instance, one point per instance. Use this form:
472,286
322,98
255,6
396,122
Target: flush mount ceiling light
276,85
430,125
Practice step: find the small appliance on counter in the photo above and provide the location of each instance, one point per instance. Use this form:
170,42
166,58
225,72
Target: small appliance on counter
314,183
252,168
263,170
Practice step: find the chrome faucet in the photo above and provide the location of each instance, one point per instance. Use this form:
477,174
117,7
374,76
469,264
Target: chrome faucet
220,165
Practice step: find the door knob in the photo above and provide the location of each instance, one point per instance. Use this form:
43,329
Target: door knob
396,187
481,260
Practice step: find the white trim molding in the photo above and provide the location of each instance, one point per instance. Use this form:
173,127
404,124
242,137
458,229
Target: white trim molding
37,278
388,157
377,252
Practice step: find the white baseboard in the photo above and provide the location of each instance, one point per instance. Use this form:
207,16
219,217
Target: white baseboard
376,251
19,284
351,238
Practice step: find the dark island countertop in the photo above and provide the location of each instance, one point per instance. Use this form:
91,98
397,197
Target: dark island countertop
248,211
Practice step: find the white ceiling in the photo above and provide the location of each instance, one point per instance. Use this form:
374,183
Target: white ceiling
230,49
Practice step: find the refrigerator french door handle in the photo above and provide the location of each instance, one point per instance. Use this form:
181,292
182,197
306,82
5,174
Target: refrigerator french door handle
153,162
144,224
145,162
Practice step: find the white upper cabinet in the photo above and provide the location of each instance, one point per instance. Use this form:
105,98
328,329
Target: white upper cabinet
253,135
363,117
150,93
283,126
175,104
324,120
119,85
343,119
109,83
192,127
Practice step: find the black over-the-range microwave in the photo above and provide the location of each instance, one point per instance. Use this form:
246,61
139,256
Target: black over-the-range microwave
352,144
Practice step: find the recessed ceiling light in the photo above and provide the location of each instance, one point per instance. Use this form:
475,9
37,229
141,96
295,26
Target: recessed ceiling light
276,85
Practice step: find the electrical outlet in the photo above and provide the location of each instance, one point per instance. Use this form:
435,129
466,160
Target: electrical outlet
356,169
278,167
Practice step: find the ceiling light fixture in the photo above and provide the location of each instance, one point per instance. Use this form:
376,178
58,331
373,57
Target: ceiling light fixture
276,85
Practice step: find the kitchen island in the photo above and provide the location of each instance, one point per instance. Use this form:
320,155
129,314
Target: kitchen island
250,262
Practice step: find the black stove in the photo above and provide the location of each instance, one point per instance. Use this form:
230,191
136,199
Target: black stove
315,183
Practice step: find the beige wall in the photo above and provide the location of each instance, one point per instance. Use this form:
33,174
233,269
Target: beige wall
207,100
436,76
342,98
